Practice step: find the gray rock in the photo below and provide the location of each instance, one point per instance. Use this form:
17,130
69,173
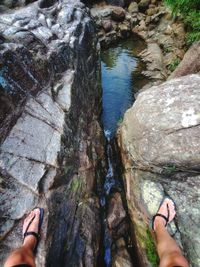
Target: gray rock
133,7
23,140
107,25
16,200
121,258
151,11
50,139
101,11
64,94
143,5
170,143
25,171
153,58
163,139
44,108
116,212
118,14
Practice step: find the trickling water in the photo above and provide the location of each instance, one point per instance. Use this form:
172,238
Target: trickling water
118,65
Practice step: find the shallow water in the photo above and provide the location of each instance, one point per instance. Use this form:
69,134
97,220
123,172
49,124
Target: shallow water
118,66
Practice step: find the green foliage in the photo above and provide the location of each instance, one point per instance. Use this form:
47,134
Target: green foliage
190,12
172,66
183,6
192,37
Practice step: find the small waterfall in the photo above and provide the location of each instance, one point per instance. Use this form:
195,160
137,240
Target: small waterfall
109,183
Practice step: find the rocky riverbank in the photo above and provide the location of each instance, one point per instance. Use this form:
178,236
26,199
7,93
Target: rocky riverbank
153,22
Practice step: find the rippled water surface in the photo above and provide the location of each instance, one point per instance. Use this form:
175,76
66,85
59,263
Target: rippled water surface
118,65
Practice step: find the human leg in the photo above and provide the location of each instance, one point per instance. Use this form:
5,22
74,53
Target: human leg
25,254
169,252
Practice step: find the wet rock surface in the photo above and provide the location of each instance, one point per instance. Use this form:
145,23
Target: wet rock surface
160,155
116,212
121,257
51,142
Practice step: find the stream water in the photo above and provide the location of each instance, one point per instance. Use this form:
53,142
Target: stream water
120,69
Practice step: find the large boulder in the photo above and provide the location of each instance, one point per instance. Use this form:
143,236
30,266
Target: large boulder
163,125
159,140
50,139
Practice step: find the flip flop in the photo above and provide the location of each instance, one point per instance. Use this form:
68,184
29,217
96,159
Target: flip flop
161,215
36,235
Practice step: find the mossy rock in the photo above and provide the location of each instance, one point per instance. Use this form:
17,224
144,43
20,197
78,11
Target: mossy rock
146,242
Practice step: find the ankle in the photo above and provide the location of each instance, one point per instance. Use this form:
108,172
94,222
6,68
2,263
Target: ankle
29,243
159,222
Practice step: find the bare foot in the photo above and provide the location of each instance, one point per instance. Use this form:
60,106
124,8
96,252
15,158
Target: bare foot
168,210
33,220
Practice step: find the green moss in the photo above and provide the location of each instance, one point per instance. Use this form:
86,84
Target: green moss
172,66
146,242
192,37
151,250
169,169
76,183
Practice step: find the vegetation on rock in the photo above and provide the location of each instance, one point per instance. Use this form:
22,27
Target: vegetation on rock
173,64
151,250
190,12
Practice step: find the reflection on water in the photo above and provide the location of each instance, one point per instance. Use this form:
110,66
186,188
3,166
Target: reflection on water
118,65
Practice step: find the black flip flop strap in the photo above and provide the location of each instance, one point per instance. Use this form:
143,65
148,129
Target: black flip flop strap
32,233
29,225
161,215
